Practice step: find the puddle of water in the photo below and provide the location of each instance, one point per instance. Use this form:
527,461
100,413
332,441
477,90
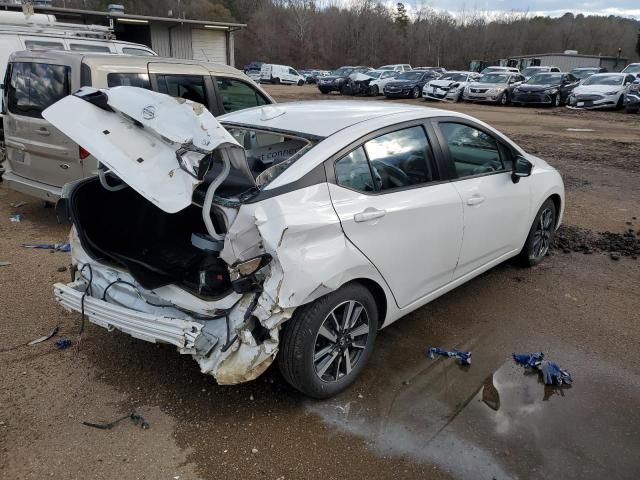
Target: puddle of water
502,425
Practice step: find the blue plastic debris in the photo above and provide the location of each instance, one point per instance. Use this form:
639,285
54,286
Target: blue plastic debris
551,372
17,218
528,360
59,247
63,344
463,358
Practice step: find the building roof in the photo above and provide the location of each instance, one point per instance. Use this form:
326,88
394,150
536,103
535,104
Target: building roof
62,12
321,118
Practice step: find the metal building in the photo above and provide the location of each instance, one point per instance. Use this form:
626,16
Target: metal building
169,37
569,60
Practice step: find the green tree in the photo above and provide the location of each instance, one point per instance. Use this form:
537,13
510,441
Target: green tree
400,16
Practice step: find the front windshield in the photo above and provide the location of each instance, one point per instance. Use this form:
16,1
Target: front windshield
374,73
342,72
409,76
531,70
454,77
613,80
545,79
580,73
634,68
494,78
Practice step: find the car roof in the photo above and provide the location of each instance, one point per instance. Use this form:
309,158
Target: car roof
321,118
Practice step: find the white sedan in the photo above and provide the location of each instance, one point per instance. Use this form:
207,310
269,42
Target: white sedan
294,230
602,90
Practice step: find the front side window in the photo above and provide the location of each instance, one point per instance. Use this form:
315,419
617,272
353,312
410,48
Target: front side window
128,80
36,86
394,160
473,151
87,47
237,95
189,87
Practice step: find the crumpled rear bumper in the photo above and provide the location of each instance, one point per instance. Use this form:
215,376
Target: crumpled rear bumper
145,326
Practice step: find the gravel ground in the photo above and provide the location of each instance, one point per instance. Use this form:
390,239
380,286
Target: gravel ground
408,417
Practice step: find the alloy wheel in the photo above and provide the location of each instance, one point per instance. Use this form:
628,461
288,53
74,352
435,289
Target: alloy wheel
542,235
341,341
415,92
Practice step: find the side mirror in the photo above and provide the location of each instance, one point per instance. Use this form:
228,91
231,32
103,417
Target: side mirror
521,168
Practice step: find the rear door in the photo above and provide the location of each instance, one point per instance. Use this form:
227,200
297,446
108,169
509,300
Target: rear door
395,209
35,149
191,82
495,209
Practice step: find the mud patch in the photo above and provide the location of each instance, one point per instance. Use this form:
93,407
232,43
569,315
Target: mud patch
570,238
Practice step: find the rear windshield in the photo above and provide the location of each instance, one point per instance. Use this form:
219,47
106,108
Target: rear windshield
32,87
580,73
613,80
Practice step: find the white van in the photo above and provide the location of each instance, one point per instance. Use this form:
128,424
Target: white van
280,74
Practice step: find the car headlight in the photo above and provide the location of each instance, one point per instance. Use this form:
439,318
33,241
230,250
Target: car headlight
491,91
612,92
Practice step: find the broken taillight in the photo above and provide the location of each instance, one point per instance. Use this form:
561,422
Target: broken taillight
83,153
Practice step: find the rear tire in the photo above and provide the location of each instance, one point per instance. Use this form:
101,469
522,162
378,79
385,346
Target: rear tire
540,236
276,81
322,91
321,354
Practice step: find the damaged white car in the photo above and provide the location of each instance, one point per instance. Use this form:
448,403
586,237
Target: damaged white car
296,230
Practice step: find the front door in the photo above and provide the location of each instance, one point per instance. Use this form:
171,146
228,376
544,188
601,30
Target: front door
495,208
395,211
35,149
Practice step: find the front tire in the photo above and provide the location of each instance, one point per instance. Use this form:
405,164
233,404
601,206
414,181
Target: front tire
327,343
620,102
540,236
556,100
504,99
375,91
300,83
415,93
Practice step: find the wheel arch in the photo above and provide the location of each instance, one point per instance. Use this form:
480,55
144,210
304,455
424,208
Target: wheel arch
379,296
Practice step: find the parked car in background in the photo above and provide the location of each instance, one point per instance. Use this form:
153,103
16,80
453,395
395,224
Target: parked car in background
531,71
40,159
449,86
437,70
601,90
632,97
372,82
408,84
632,68
493,87
337,79
583,72
277,74
497,69
398,67
252,70
545,89
315,75
364,217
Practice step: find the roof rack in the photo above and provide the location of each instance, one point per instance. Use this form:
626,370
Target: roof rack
17,22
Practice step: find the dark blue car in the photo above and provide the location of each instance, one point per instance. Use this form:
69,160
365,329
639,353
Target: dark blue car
408,84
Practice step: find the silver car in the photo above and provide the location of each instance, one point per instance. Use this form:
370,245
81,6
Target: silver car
493,88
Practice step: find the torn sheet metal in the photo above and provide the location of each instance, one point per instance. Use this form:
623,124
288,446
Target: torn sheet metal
159,145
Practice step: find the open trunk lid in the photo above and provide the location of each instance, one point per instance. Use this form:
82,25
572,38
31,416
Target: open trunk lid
159,145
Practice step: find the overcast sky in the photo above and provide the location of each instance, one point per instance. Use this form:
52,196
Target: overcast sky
624,8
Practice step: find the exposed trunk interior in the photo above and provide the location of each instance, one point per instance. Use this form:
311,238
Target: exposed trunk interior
124,228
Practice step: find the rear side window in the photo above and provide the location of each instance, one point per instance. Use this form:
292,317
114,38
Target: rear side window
352,171
35,86
137,51
473,151
35,44
86,47
128,80
237,95
189,87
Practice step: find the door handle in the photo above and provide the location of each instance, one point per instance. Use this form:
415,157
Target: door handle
43,131
369,214
475,200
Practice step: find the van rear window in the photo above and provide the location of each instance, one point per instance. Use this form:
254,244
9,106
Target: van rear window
128,80
36,86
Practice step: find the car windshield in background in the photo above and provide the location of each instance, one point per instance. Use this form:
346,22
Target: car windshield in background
342,72
545,79
454,77
409,76
375,73
531,70
613,80
494,78
580,74
632,68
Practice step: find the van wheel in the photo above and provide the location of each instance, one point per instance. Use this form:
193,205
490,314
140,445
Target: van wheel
276,81
327,343
300,83
540,236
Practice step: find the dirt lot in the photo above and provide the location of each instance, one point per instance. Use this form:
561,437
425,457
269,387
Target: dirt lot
408,416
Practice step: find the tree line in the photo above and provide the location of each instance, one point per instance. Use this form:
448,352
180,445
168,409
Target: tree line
329,33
